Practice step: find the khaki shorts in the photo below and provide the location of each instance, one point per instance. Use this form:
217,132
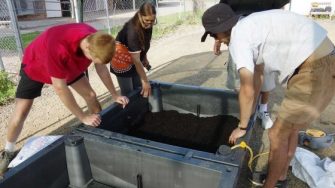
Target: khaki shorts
309,91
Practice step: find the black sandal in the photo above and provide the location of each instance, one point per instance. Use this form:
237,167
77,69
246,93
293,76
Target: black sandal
258,178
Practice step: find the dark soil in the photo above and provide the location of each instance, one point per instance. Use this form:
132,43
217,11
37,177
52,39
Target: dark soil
186,130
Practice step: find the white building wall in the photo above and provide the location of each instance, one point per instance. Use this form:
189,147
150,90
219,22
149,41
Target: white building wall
53,8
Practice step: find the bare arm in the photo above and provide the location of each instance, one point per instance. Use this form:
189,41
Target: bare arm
106,79
246,96
249,90
66,96
146,88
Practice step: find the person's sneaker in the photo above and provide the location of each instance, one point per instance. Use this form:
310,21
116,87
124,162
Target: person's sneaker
258,179
5,158
266,120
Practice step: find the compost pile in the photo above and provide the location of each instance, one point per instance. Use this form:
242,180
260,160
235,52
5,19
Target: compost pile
186,130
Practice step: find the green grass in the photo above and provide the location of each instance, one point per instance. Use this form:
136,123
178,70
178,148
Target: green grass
7,88
28,37
8,43
114,30
166,24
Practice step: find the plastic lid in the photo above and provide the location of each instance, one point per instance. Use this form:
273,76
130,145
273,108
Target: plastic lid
223,150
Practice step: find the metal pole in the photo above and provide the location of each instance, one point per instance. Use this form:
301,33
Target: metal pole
107,12
72,9
289,8
134,5
15,27
2,67
78,6
180,10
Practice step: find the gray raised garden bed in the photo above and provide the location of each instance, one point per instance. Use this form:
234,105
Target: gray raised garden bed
109,157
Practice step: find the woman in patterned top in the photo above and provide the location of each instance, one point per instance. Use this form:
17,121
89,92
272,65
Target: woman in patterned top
133,43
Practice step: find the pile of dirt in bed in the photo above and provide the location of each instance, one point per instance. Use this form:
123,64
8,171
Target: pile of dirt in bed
186,130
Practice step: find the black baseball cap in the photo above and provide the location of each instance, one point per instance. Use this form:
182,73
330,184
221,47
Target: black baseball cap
218,19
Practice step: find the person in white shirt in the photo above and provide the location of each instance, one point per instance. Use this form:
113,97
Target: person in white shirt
291,46
233,83
233,80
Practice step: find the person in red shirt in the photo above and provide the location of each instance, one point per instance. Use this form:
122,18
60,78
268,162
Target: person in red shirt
59,56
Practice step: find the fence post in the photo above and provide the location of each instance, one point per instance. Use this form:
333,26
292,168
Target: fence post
72,9
15,26
179,13
290,6
79,7
184,6
79,11
107,12
2,67
134,5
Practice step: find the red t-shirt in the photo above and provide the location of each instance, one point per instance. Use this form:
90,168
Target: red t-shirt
56,53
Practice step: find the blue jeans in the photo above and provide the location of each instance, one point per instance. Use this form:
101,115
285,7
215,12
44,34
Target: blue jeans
129,84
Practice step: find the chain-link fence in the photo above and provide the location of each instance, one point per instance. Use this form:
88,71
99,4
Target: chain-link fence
22,20
10,50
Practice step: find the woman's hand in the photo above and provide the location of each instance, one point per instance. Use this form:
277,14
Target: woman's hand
236,134
146,64
146,89
123,100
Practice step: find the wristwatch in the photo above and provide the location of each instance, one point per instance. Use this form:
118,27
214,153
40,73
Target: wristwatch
242,128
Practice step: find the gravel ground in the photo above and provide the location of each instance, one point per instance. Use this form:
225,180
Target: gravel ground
178,58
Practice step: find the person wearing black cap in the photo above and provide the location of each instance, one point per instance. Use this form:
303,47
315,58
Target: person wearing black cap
233,81
298,51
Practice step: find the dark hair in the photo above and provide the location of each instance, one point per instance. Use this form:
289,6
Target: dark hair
145,9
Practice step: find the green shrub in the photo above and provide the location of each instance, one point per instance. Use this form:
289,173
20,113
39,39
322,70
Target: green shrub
7,88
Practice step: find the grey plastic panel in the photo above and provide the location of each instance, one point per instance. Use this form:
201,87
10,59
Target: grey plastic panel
121,158
46,169
198,100
118,160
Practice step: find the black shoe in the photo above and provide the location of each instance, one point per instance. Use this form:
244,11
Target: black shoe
258,179
5,158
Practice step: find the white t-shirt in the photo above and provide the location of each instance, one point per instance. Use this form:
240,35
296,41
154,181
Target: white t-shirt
280,39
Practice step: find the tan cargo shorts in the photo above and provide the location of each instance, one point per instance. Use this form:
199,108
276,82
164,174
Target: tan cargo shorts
309,91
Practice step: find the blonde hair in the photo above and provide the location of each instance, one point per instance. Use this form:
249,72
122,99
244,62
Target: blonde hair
101,46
